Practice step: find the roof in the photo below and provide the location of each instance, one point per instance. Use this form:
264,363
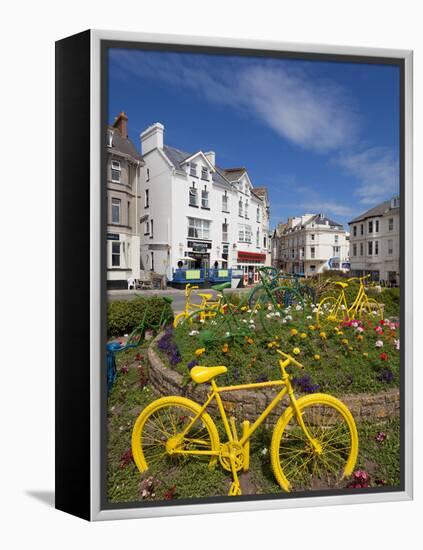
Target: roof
378,210
321,219
124,146
233,174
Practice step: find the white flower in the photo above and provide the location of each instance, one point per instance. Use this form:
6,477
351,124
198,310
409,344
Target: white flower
126,335
343,306
194,332
251,321
288,318
379,344
354,324
227,334
397,344
284,321
298,307
264,451
309,317
277,314
248,310
315,310
213,322
202,321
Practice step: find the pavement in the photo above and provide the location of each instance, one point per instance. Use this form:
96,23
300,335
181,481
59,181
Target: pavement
177,295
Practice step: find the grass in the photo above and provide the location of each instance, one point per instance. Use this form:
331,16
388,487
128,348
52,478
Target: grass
192,479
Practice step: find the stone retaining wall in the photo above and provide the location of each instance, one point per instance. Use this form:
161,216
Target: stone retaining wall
248,404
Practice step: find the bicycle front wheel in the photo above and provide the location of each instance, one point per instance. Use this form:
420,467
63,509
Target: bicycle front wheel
159,436
325,461
371,309
179,318
329,310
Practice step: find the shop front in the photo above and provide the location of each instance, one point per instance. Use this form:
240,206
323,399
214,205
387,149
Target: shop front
250,262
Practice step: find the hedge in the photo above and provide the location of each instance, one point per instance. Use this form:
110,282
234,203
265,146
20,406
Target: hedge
124,316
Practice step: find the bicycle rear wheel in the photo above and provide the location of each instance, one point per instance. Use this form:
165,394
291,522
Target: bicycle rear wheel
371,309
159,439
298,464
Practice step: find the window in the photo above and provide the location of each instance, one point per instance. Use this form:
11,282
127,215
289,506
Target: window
264,241
115,254
302,252
146,198
116,171
371,227
246,210
198,229
204,198
258,237
391,224
193,196
390,246
361,249
204,174
152,261
336,239
147,228
225,232
115,210
129,214
148,174
225,206
240,208
377,226
312,236
376,248
313,252
361,229
355,231
244,233
370,248
335,251
354,250
193,169
258,214
292,252
312,268
151,229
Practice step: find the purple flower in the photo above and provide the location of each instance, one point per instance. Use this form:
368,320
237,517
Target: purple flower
305,384
192,364
385,375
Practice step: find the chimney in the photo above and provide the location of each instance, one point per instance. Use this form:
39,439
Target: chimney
121,123
211,157
152,138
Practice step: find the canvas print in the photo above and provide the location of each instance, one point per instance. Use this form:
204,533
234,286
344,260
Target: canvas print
253,274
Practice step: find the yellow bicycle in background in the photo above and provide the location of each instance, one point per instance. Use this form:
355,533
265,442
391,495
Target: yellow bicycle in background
314,443
337,309
207,307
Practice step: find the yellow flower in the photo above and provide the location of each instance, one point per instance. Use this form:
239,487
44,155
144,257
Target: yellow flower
317,357
359,337
199,351
225,348
344,341
250,340
365,354
312,327
296,351
244,308
294,332
270,344
340,333
323,335
303,335
350,348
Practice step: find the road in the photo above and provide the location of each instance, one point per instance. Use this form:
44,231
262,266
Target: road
178,296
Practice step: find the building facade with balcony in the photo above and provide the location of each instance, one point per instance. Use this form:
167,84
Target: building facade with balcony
375,242
196,216
310,244
123,181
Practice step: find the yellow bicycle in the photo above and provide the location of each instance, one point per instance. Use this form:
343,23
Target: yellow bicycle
207,307
314,443
337,309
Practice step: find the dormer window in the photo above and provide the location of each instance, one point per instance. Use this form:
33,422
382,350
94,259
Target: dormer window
204,174
116,171
193,169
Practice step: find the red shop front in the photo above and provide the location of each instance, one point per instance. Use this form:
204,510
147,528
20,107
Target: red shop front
250,262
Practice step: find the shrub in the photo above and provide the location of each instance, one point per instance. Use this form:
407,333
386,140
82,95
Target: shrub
124,316
391,298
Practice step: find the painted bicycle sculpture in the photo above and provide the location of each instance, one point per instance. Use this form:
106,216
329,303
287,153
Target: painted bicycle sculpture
237,321
208,307
337,308
314,442
277,288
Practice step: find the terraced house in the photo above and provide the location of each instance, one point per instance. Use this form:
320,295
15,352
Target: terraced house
197,215
123,174
375,242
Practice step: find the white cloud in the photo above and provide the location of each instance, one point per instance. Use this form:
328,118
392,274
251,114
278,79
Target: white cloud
299,108
377,170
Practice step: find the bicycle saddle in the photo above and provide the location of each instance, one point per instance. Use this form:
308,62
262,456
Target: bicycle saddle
204,374
342,285
221,287
206,296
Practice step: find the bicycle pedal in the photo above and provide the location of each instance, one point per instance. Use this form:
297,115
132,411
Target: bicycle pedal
235,489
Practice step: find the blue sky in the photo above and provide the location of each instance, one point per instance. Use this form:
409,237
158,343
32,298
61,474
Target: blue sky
322,136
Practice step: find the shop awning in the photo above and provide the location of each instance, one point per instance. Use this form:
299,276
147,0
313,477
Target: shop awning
251,256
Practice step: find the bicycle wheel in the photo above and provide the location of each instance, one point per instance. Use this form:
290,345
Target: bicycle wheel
178,318
273,316
210,331
258,298
329,310
308,293
371,309
296,463
158,438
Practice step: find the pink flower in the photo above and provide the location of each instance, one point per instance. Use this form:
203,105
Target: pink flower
380,437
379,330
359,329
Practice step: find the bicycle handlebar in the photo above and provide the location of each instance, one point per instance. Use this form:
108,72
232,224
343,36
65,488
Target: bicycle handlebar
358,278
189,288
291,359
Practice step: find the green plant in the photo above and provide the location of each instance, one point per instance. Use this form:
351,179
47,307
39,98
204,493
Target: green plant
124,316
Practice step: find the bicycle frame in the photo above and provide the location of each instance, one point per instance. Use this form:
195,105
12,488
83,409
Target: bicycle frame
231,433
358,300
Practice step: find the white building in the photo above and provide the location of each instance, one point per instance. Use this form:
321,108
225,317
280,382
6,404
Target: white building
123,171
310,244
197,213
375,242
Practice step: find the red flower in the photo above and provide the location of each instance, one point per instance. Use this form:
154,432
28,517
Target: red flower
383,356
380,437
382,322
170,493
361,479
126,458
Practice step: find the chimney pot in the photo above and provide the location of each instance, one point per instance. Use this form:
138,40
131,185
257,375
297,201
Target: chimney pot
121,123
